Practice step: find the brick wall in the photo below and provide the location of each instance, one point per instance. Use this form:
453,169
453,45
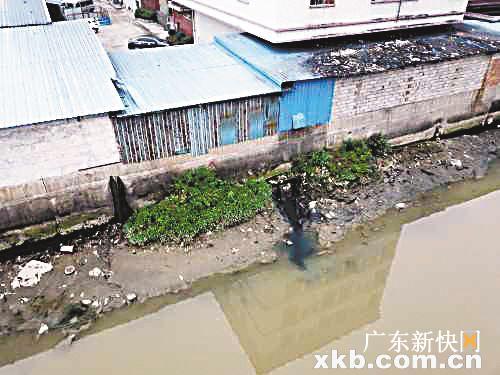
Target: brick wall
184,24
151,4
355,96
44,150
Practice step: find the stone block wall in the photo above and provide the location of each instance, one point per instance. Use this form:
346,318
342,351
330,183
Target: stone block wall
409,100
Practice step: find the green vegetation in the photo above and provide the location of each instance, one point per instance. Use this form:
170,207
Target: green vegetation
199,202
146,14
179,38
354,163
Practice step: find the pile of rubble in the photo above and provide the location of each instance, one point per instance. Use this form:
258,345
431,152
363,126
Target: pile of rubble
368,57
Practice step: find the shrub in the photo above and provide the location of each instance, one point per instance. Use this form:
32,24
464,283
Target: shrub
198,202
146,14
353,163
379,145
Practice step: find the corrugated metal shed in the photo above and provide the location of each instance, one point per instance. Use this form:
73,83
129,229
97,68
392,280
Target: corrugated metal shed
23,13
54,72
176,77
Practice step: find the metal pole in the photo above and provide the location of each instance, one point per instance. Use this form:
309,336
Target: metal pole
399,9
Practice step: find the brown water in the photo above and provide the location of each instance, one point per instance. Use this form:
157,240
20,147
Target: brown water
441,271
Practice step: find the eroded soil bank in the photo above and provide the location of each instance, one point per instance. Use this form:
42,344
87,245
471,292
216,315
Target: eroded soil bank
131,275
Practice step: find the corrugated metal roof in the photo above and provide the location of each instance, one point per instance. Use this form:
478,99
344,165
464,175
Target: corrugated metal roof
53,72
339,58
23,13
281,63
176,77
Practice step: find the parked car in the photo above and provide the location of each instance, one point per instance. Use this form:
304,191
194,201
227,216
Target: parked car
147,41
94,24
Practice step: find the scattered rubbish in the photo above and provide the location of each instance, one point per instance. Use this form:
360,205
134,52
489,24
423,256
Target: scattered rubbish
326,252
95,304
69,270
268,258
86,302
24,300
312,205
457,164
44,328
95,272
288,242
66,249
330,215
234,250
31,274
181,278
2,297
131,297
401,206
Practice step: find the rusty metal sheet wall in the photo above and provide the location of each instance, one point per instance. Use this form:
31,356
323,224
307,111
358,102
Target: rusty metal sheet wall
194,130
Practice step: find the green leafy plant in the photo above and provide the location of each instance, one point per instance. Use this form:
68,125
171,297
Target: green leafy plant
379,145
353,163
198,202
146,14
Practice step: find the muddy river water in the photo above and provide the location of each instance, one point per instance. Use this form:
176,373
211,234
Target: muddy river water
432,267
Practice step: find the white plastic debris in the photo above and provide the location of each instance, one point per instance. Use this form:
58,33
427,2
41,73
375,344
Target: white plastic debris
131,297
2,297
312,205
95,272
44,328
95,304
86,302
457,164
401,206
31,274
66,249
69,270
234,250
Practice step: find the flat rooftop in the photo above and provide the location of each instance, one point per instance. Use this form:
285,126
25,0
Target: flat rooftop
337,58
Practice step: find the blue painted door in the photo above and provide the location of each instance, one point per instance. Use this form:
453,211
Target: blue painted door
228,131
257,125
307,103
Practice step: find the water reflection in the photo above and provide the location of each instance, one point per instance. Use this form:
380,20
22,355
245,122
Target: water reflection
282,314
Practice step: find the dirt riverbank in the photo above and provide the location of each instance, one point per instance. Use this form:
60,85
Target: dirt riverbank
109,274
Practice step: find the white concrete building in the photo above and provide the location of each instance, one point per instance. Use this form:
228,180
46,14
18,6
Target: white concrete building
280,21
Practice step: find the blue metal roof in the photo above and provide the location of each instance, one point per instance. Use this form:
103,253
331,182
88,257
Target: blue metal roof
23,13
280,63
176,77
54,72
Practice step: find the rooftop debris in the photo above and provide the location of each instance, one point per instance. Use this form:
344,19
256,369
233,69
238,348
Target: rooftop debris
368,57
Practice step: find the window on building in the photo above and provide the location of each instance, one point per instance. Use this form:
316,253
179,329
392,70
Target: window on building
322,3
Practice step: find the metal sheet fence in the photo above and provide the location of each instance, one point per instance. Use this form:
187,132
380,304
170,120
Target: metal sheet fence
195,130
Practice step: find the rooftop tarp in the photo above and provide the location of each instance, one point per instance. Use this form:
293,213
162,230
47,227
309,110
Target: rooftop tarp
54,72
15,13
336,58
176,77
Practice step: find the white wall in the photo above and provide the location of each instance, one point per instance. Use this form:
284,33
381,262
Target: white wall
289,20
55,149
206,28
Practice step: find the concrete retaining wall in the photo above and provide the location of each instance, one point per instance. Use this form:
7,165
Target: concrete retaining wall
55,149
